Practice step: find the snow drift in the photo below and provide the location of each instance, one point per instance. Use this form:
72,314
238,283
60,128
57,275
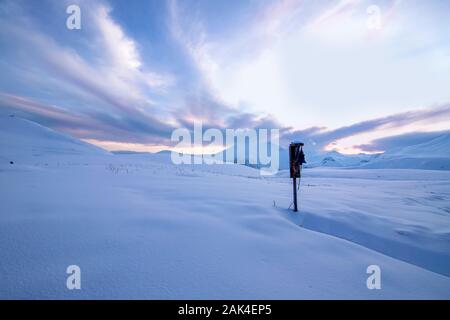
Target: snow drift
140,227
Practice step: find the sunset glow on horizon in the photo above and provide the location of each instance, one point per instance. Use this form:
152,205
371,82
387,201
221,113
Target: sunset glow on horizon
340,75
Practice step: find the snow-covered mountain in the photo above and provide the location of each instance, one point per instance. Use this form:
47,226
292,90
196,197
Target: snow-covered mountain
314,158
431,155
335,159
24,141
142,227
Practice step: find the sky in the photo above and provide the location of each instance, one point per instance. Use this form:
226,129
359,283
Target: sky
346,75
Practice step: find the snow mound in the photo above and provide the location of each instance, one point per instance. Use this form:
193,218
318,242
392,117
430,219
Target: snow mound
431,155
437,147
25,142
141,227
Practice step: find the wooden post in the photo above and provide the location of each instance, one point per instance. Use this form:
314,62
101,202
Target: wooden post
296,160
294,185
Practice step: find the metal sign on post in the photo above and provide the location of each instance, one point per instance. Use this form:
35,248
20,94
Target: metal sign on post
296,160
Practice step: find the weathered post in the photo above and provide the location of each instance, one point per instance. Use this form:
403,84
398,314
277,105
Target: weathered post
296,160
294,186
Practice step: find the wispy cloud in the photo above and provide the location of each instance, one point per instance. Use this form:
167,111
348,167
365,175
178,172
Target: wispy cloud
114,83
289,64
321,62
341,8
87,125
349,139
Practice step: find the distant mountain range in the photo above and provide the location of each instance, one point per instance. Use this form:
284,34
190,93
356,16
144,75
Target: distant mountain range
431,155
26,139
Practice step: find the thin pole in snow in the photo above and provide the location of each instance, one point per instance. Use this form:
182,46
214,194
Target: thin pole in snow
296,160
294,185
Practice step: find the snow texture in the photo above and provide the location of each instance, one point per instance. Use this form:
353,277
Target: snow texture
140,227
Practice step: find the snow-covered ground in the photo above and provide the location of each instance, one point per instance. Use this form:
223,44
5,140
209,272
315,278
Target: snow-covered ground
141,227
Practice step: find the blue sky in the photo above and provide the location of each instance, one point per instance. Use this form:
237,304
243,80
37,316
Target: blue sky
318,70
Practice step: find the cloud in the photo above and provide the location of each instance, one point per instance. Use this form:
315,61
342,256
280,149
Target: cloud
341,8
91,125
100,83
347,139
121,49
112,92
316,62
190,34
428,116
123,57
111,82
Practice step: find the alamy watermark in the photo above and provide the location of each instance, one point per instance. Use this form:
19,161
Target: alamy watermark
253,147
73,281
73,21
374,280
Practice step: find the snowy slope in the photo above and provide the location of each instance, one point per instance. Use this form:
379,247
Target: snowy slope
140,227
336,160
437,147
402,213
24,141
314,158
431,155
232,152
